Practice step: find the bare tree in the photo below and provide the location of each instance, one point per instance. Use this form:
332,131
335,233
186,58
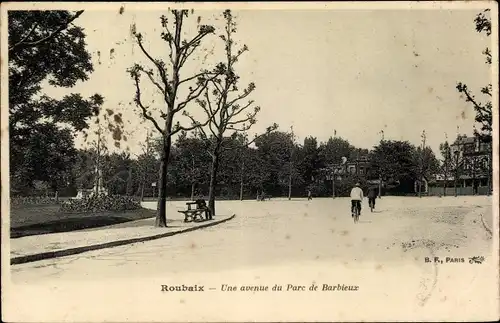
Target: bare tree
222,106
169,83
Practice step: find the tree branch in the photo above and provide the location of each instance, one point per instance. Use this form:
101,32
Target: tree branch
217,87
202,85
186,53
178,127
143,108
471,99
237,111
23,43
249,117
25,37
168,91
212,113
240,97
151,78
204,30
195,77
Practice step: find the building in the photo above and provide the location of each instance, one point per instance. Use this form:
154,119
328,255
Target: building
471,162
358,168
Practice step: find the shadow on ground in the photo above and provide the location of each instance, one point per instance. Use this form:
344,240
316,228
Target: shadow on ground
65,225
70,222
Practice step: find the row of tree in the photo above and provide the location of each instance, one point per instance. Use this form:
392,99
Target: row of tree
275,164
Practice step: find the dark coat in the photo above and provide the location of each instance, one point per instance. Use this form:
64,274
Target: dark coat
372,192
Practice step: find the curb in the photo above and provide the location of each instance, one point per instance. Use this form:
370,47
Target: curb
485,226
74,251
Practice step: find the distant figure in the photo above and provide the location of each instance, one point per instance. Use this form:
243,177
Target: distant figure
372,196
263,196
356,198
309,195
201,204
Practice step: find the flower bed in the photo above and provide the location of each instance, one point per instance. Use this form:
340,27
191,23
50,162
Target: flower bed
101,203
32,200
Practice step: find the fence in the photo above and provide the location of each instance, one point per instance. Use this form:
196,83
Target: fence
450,191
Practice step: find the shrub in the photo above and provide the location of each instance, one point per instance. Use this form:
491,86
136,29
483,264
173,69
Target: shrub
101,203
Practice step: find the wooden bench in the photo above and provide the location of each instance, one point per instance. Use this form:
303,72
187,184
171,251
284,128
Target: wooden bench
193,214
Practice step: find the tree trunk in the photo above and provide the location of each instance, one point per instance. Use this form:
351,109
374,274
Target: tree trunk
380,186
455,185
142,191
241,179
98,166
445,180
193,185
129,183
213,182
161,215
333,185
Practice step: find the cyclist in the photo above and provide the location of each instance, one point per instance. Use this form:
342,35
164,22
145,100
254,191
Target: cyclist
372,195
356,198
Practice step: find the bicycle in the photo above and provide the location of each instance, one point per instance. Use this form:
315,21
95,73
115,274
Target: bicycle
355,212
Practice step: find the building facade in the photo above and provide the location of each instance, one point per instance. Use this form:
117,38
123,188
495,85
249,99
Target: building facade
471,164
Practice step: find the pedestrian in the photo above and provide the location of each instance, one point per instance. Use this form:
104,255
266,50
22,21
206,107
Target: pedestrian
372,196
309,195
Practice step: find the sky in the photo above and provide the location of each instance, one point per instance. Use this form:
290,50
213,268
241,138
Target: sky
355,72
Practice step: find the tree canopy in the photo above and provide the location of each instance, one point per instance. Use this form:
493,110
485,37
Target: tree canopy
45,46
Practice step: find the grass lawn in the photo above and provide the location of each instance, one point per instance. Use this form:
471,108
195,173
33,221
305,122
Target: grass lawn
42,219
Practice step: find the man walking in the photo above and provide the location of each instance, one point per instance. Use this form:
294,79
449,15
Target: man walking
372,196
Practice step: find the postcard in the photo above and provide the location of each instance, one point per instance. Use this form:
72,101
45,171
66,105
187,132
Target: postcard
259,161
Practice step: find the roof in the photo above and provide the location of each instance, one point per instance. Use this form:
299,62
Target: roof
467,140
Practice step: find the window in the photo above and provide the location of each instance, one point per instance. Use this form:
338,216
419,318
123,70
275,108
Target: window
469,148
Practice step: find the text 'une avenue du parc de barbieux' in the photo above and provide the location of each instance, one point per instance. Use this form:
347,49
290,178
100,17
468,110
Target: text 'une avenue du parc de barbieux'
264,288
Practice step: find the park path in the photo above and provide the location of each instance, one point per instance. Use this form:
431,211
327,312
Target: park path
295,242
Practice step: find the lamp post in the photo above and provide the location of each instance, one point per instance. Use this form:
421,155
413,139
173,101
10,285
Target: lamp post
380,170
457,154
